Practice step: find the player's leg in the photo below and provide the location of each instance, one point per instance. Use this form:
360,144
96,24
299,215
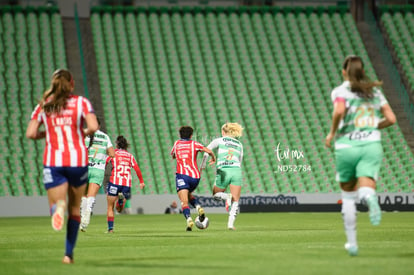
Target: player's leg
120,203
183,196
193,184
124,194
75,196
57,204
183,190
220,187
235,179
111,198
346,161
349,215
56,185
93,189
84,203
367,173
77,177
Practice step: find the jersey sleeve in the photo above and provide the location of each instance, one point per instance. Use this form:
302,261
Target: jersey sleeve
136,168
109,143
198,146
241,154
383,100
36,114
86,107
214,144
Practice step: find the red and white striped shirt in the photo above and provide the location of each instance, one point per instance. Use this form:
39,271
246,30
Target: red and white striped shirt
121,168
65,145
185,152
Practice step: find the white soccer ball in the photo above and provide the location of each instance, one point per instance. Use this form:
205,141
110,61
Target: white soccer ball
201,225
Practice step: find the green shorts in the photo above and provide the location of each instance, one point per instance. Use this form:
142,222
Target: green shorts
96,176
226,176
358,161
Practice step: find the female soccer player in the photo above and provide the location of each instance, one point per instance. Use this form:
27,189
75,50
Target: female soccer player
229,160
187,176
119,186
360,111
65,157
99,148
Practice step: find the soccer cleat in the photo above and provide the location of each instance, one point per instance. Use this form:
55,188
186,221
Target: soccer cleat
190,224
374,210
58,217
85,220
352,249
110,231
201,214
67,260
232,228
228,202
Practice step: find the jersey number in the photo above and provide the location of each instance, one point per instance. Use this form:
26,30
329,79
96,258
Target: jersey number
67,131
230,154
123,172
365,117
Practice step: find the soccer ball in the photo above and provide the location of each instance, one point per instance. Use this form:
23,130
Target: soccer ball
201,225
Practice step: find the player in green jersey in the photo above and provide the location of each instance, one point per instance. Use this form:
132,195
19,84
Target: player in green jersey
228,174
360,111
99,148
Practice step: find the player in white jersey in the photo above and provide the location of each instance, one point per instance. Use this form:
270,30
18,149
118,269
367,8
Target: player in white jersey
99,148
229,160
360,111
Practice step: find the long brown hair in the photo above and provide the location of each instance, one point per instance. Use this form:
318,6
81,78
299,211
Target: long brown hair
54,99
360,82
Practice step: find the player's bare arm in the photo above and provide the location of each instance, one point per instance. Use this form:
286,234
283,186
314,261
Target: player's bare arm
389,117
213,157
33,132
338,114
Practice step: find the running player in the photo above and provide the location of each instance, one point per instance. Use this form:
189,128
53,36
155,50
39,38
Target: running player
99,148
229,160
360,111
187,176
65,159
119,186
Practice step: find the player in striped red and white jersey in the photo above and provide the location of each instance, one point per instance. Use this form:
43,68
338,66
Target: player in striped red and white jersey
119,186
65,171
187,175
65,146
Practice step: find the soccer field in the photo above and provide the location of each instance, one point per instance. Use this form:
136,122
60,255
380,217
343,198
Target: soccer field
271,243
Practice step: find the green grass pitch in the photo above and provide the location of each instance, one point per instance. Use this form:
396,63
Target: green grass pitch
264,243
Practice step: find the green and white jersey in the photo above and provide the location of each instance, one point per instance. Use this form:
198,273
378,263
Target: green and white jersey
229,153
97,153
360,123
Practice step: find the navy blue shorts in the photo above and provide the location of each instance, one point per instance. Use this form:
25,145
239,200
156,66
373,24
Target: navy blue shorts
185,182
114,190
55,176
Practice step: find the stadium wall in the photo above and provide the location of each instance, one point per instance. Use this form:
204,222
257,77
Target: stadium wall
156,204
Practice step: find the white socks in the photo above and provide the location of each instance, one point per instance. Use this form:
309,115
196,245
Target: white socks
349,216
364,192
91,203
232,214
84,205
220,196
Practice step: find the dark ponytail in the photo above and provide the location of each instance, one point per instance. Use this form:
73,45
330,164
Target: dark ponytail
121,143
